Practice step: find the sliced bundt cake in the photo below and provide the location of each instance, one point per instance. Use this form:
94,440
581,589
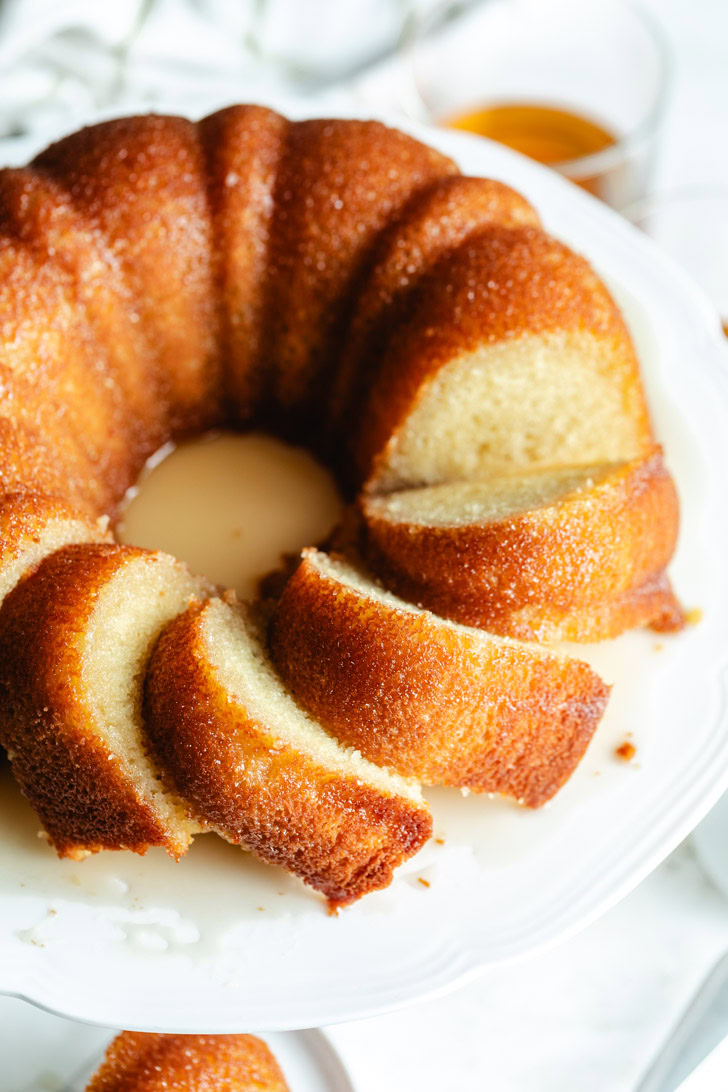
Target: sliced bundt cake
139,1062
74,641
339,282
576,554
426,697
261,772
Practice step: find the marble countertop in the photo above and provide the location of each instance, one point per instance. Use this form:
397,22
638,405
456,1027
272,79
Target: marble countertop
590,1014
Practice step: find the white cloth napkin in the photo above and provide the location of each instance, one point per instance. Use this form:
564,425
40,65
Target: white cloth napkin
64,63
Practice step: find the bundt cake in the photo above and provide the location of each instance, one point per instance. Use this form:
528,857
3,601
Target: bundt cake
139,1062
253,766
574,554
430,698
340,284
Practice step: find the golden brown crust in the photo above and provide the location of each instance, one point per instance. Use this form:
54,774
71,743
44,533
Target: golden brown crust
339,835
429,700
652,604
436,220
79,789
28,462
141,182
42,214
338,184
243,145
582,569
139,1062
501,283
53,374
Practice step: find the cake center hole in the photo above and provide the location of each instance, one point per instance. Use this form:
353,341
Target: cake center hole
231,505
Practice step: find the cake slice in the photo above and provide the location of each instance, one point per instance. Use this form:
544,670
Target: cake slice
261,772
33,526
74,641
430,698
574,554
139,1062
513,356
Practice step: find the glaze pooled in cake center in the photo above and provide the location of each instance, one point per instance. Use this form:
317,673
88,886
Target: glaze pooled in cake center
230,505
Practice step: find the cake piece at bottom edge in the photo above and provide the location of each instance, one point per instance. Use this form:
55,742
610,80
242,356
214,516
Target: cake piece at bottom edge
261,772
140,1062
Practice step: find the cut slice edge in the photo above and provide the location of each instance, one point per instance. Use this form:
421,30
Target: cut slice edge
462,503
568,553
161,588
531,401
